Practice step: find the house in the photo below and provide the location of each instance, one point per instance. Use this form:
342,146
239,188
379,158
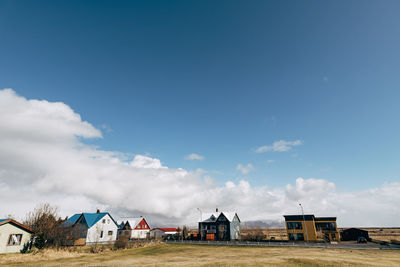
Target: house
135,228
220,226
311,228
13,236
352,234
91,228
158,233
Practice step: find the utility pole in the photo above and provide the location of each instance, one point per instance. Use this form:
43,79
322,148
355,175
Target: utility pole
304,219
201,214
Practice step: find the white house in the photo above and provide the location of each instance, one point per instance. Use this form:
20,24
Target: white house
13,236
135,228
92,228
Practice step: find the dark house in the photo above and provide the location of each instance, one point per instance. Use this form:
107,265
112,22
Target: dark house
221,226
352,234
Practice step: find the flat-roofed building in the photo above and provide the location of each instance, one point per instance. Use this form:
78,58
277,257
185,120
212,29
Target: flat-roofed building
311,228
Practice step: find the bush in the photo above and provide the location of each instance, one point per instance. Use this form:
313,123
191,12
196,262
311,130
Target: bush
39,241
25,248
46,225
121,243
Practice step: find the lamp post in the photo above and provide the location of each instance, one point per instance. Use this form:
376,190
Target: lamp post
201,214
304,219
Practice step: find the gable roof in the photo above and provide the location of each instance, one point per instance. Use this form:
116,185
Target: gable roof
213,216
17,224
90,218
133,222
167,229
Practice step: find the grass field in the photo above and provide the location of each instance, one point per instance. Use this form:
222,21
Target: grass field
196,255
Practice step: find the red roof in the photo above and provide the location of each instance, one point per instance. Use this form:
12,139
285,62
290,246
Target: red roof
168,229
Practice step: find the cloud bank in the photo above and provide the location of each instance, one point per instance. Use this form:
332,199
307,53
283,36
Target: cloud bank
43,159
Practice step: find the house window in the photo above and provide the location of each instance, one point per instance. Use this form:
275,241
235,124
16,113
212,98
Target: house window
300,237
110,232
295,237
104,221
101,234
327,226
14,240
294,225
108,221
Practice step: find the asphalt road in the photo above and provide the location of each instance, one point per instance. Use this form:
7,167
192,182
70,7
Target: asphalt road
287,244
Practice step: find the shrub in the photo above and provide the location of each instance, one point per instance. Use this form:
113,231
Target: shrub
121,243
25,248
46,225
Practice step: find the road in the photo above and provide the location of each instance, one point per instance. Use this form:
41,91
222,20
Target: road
287,244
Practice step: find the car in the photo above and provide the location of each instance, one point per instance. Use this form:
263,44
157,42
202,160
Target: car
361,239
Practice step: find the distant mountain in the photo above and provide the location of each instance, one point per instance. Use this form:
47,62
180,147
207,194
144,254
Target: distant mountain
263,224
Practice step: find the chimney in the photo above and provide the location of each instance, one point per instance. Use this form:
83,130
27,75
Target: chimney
98,211
216,210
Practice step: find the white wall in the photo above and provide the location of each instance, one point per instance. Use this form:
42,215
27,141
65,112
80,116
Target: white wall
139,234
94,232
5,231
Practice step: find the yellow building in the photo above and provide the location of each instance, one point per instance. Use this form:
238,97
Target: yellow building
311,228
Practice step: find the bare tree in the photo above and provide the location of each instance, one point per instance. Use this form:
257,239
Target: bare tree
46,224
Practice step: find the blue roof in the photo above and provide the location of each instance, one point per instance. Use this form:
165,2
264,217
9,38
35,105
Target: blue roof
90,218
2,220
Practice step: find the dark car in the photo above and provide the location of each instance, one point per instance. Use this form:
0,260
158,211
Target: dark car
361,239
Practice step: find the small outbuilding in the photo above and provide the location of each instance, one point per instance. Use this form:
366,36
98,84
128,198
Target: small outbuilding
13,236
352,234
158,233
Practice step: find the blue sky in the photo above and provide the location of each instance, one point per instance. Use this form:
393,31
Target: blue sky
220,79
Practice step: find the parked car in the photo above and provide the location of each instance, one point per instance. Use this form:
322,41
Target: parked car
361,239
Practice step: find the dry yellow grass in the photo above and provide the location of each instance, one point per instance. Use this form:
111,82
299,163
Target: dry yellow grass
196,255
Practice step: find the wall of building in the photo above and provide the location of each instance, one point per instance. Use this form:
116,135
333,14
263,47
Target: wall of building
139,234
310,232
5,231
235,229
94,232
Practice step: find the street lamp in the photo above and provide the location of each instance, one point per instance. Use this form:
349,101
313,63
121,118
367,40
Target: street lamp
201,214
304,219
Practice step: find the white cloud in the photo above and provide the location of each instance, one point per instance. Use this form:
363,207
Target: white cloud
145,162
279,146
270,161
43,159
245,169
194,156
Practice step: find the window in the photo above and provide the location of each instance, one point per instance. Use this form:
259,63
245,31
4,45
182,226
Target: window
296,237
14,240
101,234
104,221
300,237
294,225
327,226
110,232
108,221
